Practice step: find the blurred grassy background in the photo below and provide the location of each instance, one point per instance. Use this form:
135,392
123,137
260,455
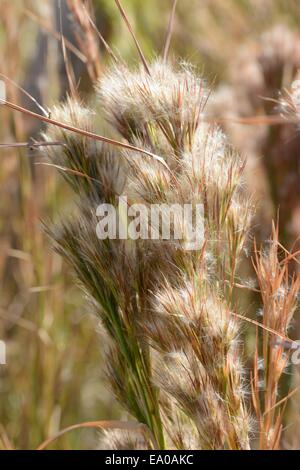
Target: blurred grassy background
53,374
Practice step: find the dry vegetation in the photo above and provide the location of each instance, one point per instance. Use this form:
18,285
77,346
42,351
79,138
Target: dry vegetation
191,105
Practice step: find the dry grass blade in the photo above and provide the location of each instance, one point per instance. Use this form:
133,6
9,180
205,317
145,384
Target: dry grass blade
170,31
283,400
88,134
25,93
279,294
264,327
255,381
105,44
68,67
31,145
141,54
68,170
129,426
85,37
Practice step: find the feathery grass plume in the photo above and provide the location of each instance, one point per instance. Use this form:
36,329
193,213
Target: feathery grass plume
182,376
162,108
205,170
191,325
106,269
279,293
101,179
174,359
